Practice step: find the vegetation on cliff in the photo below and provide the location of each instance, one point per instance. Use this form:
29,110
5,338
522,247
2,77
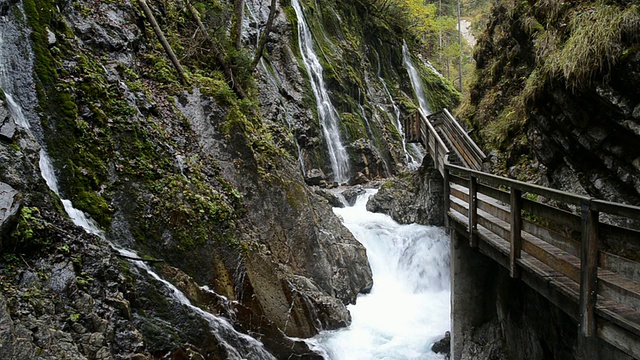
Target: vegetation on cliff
532,49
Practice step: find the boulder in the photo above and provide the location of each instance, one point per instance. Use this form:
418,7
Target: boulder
314,177
330,197
351,194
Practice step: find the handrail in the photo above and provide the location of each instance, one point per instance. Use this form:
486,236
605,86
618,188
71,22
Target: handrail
466,136
554,194
433,131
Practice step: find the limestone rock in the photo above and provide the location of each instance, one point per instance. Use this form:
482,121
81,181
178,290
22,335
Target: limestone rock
314,177
10,205
8,127
351,195
415,198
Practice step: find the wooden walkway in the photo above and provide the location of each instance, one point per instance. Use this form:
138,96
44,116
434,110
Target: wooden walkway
560,244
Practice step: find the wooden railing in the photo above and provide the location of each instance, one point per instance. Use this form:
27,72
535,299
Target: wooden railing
419,129
458,139
554,236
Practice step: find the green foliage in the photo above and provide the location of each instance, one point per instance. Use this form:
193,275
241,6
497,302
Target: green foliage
597,32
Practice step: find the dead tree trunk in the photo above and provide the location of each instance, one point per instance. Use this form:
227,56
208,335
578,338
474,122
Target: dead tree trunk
238,14
163,41
265,34
217,53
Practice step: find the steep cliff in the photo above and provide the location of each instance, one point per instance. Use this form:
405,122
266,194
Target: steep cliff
204,172
556,94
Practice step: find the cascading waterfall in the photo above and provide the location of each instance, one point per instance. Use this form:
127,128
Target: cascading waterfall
237,345
415,156
327,114
408,308
416,82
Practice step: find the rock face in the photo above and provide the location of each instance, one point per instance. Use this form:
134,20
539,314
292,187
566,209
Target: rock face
9,208
414,198
566,126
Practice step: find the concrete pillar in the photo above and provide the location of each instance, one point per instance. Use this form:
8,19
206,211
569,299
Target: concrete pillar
471,298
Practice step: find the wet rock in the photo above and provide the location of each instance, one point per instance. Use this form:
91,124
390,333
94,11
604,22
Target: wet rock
8,127
10,205
62,278
443,346
330,197
414,198
351,194
315,177
359,179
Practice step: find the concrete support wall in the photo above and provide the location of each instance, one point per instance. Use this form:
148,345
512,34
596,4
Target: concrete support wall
472,301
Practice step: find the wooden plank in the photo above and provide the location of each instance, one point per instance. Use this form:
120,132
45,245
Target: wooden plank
458,180
560,217
588,270
556,259
500,195
622,316
490,206
468,139
619,289
516,228
473,212
628,211
562,242
621,339
620,265
460,192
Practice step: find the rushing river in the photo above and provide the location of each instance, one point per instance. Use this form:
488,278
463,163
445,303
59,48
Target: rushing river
408,308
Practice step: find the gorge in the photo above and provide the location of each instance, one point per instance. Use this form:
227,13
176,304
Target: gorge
227,210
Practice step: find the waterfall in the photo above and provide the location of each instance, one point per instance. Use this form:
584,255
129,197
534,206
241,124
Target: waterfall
416,82
16,64
408,307
415,156
327,114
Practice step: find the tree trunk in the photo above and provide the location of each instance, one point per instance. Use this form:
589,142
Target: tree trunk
265,34
217,53
163,41
238,15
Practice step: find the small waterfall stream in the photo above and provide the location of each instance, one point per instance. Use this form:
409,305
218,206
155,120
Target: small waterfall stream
414,156
237,345
408,308
327,114
416,82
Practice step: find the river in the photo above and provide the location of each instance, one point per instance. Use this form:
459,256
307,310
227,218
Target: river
408,308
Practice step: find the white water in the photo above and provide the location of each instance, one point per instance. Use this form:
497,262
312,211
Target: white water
327,114
416,81
408,308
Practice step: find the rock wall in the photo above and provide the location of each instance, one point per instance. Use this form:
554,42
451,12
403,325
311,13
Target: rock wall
556,95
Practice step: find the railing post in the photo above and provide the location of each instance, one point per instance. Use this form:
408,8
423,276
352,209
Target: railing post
588,269
473,211
516,227
447,195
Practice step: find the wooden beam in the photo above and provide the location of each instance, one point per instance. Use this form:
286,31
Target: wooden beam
588,269
516,227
